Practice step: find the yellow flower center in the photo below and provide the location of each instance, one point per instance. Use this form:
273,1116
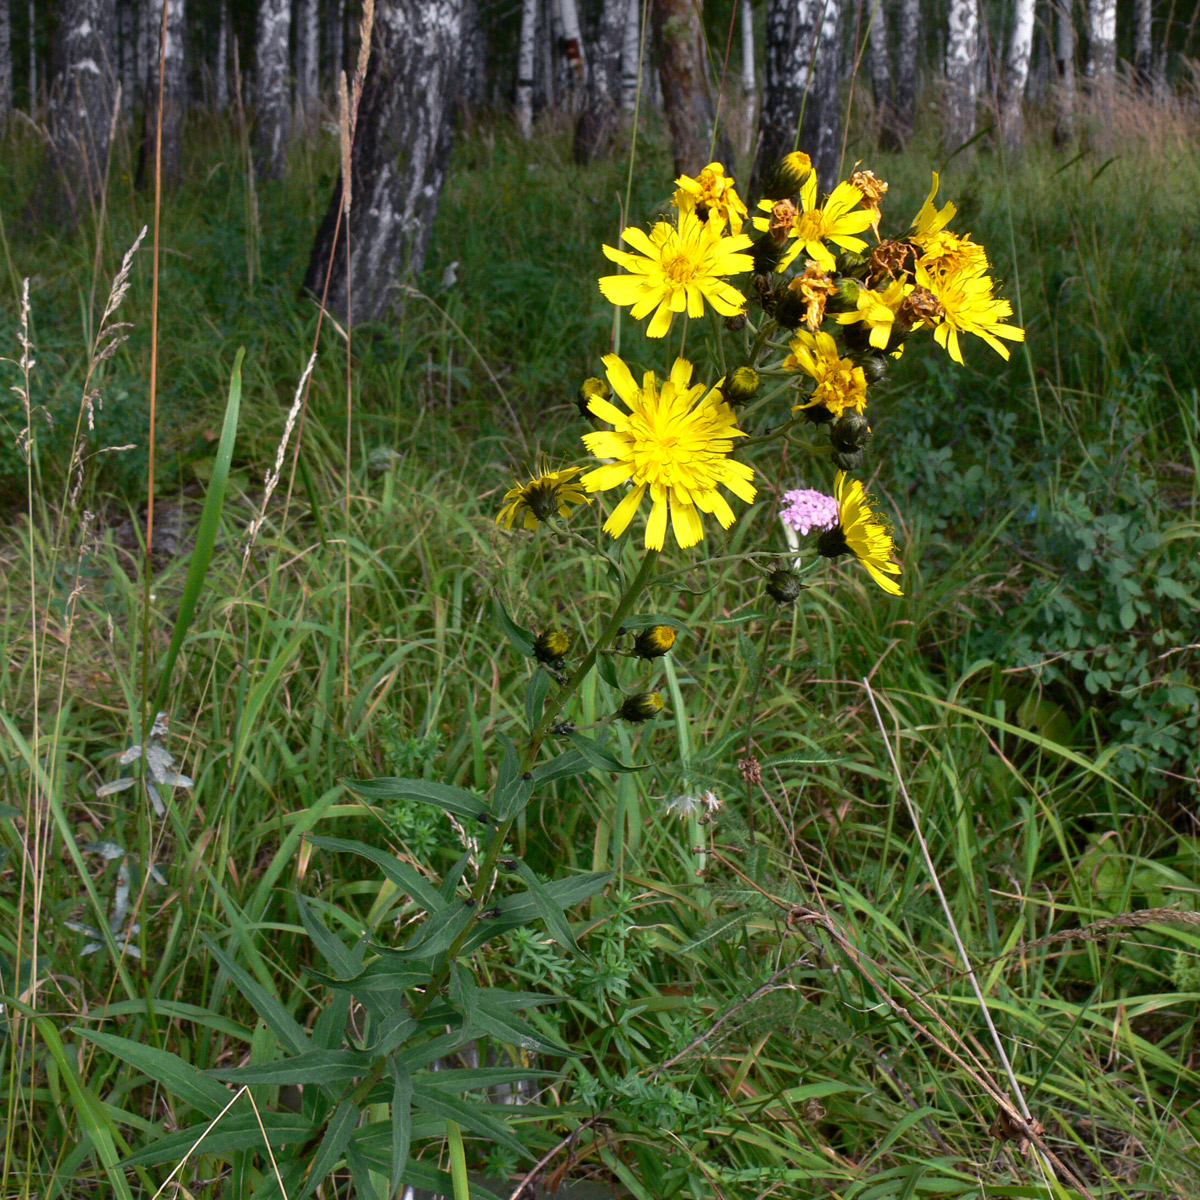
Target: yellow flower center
810,226
679,268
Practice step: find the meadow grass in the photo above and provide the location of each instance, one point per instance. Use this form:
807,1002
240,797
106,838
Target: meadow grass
846,1052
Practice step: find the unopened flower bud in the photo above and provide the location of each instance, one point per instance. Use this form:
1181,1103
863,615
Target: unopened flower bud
587,389
766,252
641,706
832,543
736,322
654,641
845,298
851,431
848,460
551,647
875,366
783,586
788,175
741,385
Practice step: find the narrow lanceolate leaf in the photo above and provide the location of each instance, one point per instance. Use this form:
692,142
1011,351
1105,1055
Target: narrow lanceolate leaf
402,1093
513,790
206,531
333,1145
597,755
567,764
281,1022
407,878
183,1081
470,1116
521,639
501,1024
234,1131
535,697
336,953
323,1067
438,932
550,911
521,908
441,795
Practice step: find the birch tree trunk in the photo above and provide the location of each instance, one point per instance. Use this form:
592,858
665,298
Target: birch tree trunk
336,37
962,51
597,121
525,80
1143,51
749,81
272,110
221,79
1016,74
473,60
631,55
572,44
906,68
127,43
1102,42
801,105
6,73
881,77
308,57
1064,70
174,87
398,164
82,91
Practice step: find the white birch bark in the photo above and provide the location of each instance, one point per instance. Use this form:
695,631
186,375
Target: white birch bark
786,78
749,81
5,60
308,55
401,148
881,73
174,90
221,76
823,112
631,55
1064,70
597,121
962,52
82,91
572,42
1016,74
272,110
908,41
525,81
1102,41
1143,48
127,52
473,60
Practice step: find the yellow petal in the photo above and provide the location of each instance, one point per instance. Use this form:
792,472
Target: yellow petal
620,517
656,526
610,475
686,525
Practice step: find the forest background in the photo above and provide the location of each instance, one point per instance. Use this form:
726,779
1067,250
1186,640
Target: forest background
772,1003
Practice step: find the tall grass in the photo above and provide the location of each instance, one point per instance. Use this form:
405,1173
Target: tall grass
772,1005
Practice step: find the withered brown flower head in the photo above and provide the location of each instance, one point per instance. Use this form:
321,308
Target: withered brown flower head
892,259
814,287
783,217
920,305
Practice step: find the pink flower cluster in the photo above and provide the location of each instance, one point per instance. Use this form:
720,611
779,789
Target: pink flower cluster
805,509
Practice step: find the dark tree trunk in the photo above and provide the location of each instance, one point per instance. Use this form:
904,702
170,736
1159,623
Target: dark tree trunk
881,77
83,89
272,102
5,59
401,146
682,70
801,107
906,68
174,89
473,60
597,121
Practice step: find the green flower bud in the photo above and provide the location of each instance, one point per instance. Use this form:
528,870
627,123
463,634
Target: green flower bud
788,175
641,706
654,641
832,543
851,431
741,385
783,585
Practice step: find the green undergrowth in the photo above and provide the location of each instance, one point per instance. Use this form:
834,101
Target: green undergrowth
1036,685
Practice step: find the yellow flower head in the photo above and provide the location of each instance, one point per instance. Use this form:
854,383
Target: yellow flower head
930,219
877,310
968,306
812,227
676,269
861,532
712,196
814,288
946,251
840,384
544,495
673,442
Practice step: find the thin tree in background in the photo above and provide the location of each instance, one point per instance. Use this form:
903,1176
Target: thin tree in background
682,70
1102,42
308,57
272,111
749,78
6,74
82,91
335,36
169,50
1143,48
631,55
801,104
398,164
33,71
1064,70
221,70
525,64
962,52
473,59
598,115
1016,74
909,40
127,48
881,76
